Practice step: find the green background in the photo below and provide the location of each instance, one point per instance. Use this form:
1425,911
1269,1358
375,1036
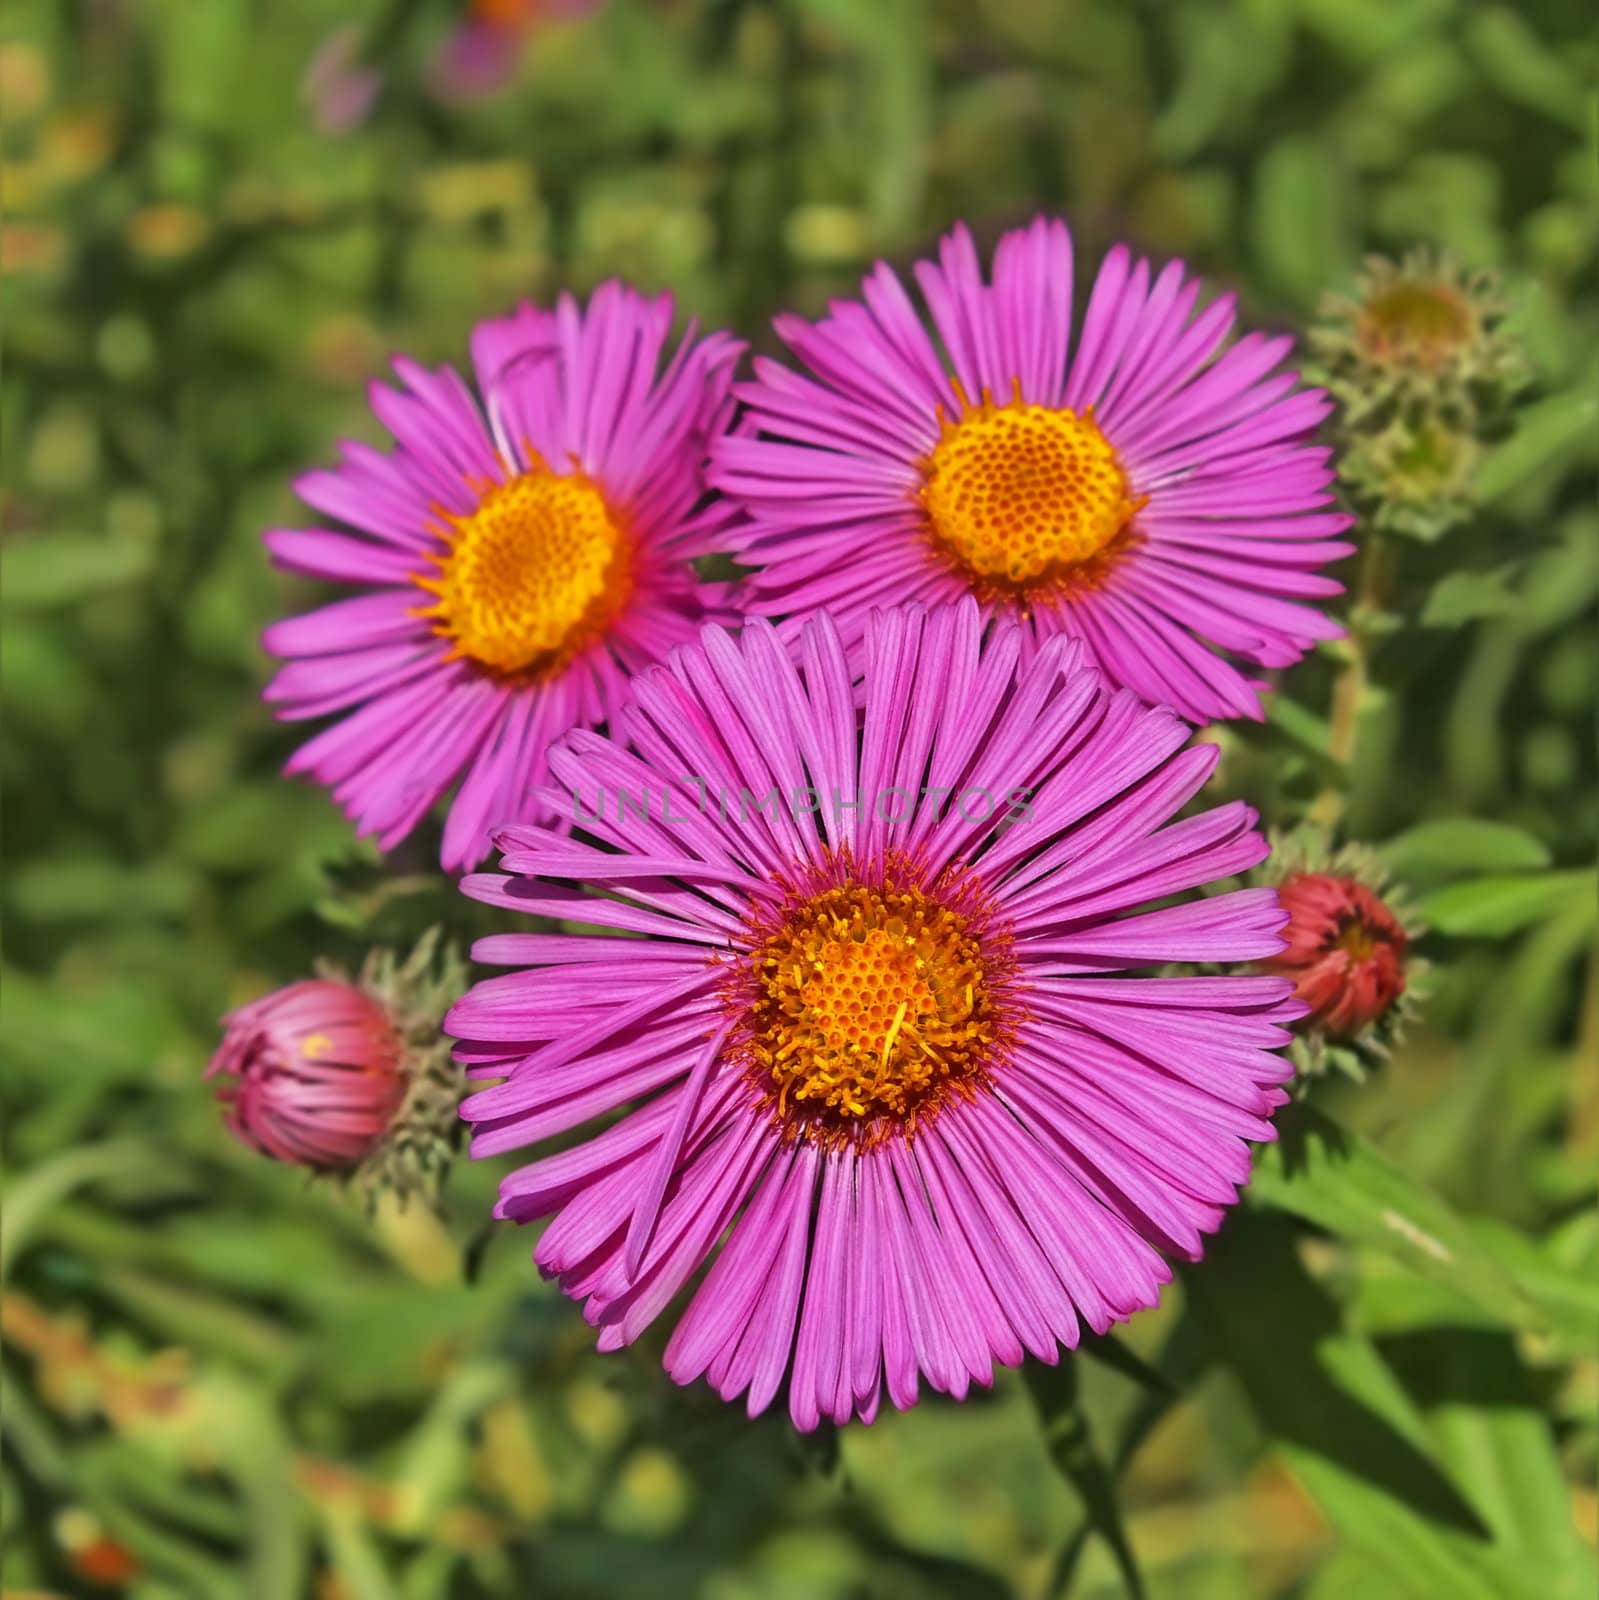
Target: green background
1384,1382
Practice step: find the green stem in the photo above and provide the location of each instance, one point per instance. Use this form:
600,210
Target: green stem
1349,690
1072,1450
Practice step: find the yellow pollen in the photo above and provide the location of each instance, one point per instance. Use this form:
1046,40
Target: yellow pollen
1024,497
867,1006
537,569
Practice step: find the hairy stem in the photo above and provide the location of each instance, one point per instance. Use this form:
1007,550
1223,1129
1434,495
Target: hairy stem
1349,690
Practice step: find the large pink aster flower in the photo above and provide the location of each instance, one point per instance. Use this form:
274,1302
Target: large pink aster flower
876,1033
1141,494
522,557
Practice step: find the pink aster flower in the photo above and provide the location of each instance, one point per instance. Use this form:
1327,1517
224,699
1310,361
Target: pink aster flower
338,85
481,54
520,556
1143,493
311,1074
876,1041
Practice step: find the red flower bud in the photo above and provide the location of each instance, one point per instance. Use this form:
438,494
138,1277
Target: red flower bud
312,1073
1346,952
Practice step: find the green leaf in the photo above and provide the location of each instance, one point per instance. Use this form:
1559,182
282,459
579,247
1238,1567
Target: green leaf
1511,56
1341,1182
112,1031
1340,1421
1463,597
1482,1407
355,1555
1349,1575
1566,1292
1387,1299
1562,579
1298,223
1496,906
56,569
44,681
436,1457
257,1453
1071,1448
1209,68
1454,845
884,38
32,1443
259,824
201,1319
29,1198
374,1344
191,1568
160,1488
79,887
1543,432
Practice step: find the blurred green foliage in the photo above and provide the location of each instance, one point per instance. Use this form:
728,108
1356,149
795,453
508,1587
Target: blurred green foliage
222,1383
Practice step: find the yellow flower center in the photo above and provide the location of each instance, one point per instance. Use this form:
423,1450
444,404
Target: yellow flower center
865,1007
1024,497
537,569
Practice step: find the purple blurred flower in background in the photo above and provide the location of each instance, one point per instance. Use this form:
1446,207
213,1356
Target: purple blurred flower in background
339,87
481,55
478,57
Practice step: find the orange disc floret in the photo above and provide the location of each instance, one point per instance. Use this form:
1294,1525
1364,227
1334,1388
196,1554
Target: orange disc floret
1026,500
868,998
538,568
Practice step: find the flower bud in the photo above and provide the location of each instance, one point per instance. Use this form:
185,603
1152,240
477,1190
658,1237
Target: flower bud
311,1074
1415,477
1345,952
1422,335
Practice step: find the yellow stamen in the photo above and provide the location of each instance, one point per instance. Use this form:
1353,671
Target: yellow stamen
893,1034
